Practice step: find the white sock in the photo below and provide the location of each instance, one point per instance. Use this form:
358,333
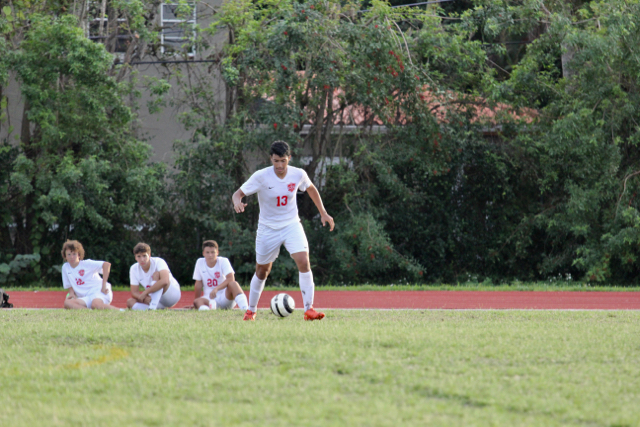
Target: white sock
241,300
155,298
257,286
140,306
307,287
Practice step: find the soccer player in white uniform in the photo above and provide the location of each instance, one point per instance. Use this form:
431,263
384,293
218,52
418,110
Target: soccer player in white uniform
215,285
279,223
82,277
161,289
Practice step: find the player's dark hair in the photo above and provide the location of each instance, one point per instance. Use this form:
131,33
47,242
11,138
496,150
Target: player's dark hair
141,248
210,244
280,148
73,246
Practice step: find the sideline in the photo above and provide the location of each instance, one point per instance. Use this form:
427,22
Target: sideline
451,300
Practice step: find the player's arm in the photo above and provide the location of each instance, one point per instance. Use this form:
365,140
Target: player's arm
106,269
237,201
198,289
317,200
165,278
135,293
71,294
229,278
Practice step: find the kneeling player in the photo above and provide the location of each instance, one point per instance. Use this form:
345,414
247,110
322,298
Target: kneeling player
215,281
82,277
161,289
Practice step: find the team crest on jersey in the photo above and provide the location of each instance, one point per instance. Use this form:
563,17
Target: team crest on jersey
291,187
81,272
217,274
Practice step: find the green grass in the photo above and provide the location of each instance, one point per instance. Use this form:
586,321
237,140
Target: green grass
355,368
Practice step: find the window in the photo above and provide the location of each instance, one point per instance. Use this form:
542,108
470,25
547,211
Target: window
97,19
178,29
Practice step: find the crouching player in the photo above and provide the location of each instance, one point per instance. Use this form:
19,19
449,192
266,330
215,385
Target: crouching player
82,277
215,281
161,289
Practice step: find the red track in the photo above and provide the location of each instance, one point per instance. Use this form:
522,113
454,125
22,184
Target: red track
400,299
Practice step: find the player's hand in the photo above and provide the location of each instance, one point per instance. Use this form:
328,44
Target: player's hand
212,295
105,290
239,207
326,218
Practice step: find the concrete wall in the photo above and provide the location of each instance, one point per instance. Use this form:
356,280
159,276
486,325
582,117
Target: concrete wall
10,125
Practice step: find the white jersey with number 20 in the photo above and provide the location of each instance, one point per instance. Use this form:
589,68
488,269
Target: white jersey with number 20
137,276
212,276
277,197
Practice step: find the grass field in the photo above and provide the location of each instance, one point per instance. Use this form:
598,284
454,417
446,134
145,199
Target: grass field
360,368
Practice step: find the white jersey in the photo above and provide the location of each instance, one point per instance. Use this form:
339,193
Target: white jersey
277,197
137,275
85,278
212,276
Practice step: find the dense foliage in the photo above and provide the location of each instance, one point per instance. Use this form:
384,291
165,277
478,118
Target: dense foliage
478,140
78,171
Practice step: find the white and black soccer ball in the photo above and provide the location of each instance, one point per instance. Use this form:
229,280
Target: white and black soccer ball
282,305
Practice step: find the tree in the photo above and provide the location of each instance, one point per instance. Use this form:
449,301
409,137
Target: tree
79,172
328,79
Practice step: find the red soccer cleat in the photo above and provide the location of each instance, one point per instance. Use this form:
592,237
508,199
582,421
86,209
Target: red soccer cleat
311,314
251,315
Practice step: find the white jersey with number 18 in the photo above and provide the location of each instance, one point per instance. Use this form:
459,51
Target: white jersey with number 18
84,279
277,197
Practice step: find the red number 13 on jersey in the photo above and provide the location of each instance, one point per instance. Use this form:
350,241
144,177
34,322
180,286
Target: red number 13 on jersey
282,201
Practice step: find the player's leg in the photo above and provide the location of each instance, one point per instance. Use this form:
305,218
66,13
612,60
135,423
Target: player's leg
307,287
170,297
199,302
256,287
100,301
134,304
233,292
297,245
268,242
99,304
157,295
257,284
75,304
155,298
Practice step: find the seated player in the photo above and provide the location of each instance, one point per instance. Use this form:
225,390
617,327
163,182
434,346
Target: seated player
82,277
161,289
215,276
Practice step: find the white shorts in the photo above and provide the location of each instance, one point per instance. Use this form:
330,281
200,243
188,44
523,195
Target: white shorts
171,297
105,298
268,242
221,300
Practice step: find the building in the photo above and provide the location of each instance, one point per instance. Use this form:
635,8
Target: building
162,48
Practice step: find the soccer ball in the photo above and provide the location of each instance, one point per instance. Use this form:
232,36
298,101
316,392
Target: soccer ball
282,305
